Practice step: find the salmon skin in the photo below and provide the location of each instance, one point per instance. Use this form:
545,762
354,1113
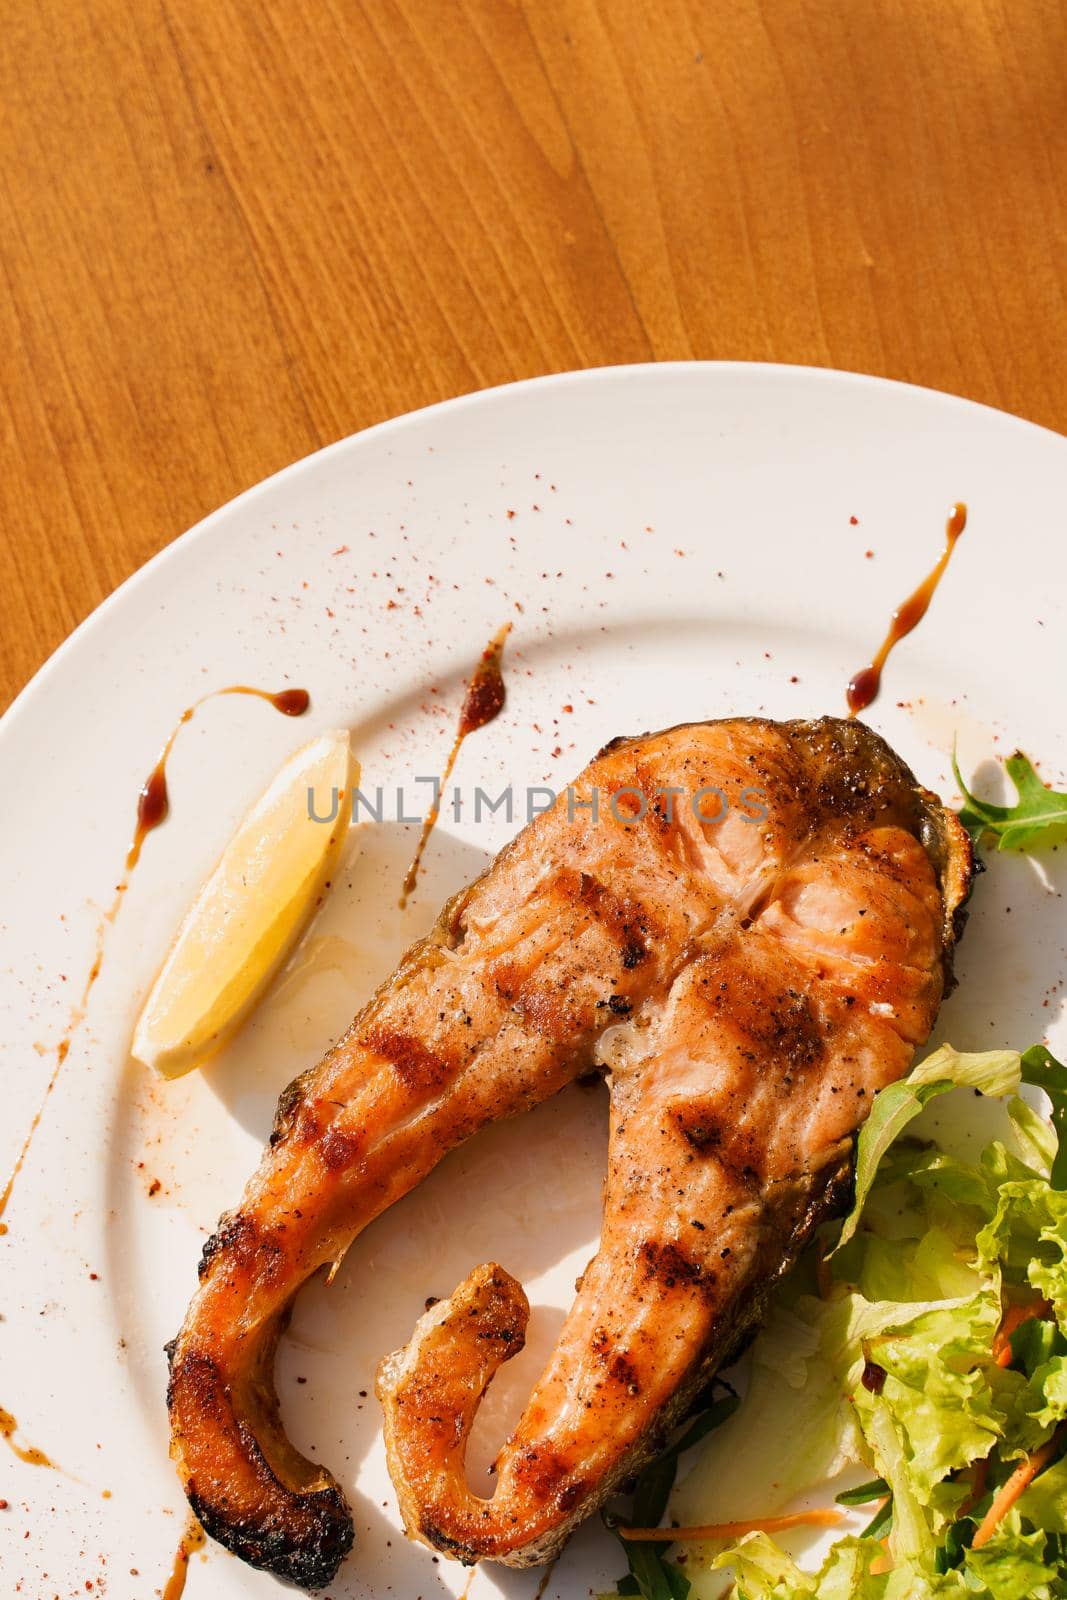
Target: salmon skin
748,959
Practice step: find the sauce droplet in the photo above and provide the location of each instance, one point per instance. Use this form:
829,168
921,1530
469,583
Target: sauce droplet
482,702
25,1452
864,687
290,702
484,699
192,1539
153,804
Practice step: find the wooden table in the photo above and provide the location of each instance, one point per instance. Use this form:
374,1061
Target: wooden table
231,232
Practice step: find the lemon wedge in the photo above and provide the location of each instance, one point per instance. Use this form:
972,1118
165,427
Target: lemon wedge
251,911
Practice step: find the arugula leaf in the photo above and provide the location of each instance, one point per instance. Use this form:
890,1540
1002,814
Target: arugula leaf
1039,816
880,1523
957,1541
716,1414
653,1490
1040,1068
656,1579
651,1575
863,1494
676,1578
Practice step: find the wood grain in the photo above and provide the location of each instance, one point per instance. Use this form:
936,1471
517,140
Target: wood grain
230,233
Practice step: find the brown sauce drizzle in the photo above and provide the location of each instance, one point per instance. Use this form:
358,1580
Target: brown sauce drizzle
25,1452
864,687
290,702
74,1022
483,701
153,804
192,1539
546,1578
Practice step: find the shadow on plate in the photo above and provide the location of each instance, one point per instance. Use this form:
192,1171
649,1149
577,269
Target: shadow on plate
1010,963
354,944
526,1194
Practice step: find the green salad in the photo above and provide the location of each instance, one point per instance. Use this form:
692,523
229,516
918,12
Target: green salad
923,1350
931,1353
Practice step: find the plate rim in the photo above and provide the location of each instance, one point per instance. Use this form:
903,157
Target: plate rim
469,400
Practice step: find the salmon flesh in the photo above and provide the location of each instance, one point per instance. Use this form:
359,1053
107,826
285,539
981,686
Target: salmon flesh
748,926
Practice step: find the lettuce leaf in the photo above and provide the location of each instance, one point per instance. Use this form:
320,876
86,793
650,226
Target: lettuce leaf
1027,1235
1044,1504
1012,1566
992,1072
894,1370
1036,1139
937,1391
799,1369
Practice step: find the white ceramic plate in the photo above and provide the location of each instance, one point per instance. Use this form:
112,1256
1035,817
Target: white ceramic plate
670,542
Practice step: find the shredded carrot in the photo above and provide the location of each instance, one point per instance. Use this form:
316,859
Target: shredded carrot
1021,1478
826,1517
976,1476
1014,1317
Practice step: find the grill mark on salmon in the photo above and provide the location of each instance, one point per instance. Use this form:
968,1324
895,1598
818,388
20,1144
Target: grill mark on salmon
339,1149
632,923
747,985
415,1066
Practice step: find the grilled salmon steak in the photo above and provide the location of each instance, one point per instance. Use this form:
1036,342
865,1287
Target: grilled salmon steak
749,927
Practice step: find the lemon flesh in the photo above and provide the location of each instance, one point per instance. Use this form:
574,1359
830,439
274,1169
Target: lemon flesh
251,911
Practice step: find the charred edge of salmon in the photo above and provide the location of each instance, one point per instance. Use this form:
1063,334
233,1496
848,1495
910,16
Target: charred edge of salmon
833,1189
308,1562
301,1535
951,850
868,778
